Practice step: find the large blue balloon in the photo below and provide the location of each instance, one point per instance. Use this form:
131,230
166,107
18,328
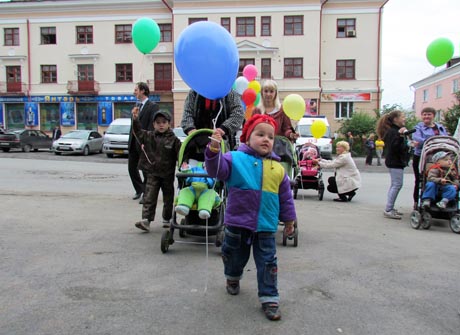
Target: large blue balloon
206,57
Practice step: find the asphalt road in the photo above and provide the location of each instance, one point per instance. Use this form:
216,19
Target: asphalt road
71,262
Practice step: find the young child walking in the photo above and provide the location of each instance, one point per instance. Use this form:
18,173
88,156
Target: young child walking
259,196
441,175
158,157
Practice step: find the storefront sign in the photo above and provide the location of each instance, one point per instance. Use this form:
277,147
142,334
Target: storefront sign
345,97
66,98
104,113
67,111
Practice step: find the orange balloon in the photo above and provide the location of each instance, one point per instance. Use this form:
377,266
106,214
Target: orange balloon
249,110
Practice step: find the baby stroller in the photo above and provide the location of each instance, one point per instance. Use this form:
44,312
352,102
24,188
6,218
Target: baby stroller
421,217
193,148
310,175
285,150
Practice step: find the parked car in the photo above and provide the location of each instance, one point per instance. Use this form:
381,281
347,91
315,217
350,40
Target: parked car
25,139
180,133
79,141
116,137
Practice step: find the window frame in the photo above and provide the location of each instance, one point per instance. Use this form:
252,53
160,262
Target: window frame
165,28
455,86
286,67
49,75
348,63
124,73
266,74
48,36
340,106
11,37
242,22
243,62
438,91
228,25
343,29
87,70
192,20
84,35
265,26
123,35
425,95
293,25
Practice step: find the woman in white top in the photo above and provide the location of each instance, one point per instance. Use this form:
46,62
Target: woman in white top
347,179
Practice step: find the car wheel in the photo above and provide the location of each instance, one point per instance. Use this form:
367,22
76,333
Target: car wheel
6,149
109,155
57,153
27,148
86,151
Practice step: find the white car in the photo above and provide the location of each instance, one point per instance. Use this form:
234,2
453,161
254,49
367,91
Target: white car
324,143
78,141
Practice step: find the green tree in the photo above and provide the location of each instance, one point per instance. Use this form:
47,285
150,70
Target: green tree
360,124
452,115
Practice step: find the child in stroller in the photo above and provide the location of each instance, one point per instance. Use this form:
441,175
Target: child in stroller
198,219
310,175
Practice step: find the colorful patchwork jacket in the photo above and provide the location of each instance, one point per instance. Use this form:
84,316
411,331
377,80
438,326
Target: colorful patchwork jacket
259,191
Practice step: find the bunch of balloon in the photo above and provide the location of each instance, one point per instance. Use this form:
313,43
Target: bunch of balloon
440,51
249,89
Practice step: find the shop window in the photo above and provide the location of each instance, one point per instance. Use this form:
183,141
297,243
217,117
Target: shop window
14,116
122,110
343,110
87,116
49,116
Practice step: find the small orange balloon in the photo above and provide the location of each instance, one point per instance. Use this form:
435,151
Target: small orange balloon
249,110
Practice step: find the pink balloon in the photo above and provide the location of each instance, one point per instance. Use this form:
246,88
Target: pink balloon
250,72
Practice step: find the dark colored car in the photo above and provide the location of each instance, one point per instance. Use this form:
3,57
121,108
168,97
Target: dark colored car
25,139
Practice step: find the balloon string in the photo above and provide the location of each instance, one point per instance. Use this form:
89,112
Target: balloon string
141,73
214,121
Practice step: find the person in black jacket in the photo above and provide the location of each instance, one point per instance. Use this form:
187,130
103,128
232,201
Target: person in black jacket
158,163
391,128
145,109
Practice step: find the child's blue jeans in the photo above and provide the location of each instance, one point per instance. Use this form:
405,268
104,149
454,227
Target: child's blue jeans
236,250
431,190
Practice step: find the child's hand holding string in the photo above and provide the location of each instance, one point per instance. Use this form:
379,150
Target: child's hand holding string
216,138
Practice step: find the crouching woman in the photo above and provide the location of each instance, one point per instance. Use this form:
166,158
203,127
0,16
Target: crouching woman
347,179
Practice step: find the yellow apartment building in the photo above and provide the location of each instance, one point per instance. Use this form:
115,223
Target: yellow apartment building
74,63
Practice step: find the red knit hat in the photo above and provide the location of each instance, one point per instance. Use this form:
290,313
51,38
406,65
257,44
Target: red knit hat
253,122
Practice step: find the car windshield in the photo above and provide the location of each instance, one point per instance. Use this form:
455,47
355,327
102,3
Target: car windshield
122,129
179,132
76,135
305,131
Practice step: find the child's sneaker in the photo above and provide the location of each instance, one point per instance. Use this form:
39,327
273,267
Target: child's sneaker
144,224
204,214
426,203
391,215
442,204
182,210
166,223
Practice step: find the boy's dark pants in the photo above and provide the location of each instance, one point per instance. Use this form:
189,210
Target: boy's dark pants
152,189
235,254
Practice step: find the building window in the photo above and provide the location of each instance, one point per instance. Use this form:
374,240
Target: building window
425,95
225,22
345,69
346,27
439,91
265,26
165,32
85,72
455,86
245,26
11,36
293,25
196,19
13,74
84,34
266,68
123,33
163,76
243,63
343,110
124,72
293,67
48,35
49,74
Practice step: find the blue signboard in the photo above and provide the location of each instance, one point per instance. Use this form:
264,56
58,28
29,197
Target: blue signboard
104,113
31,113
67,111
66,98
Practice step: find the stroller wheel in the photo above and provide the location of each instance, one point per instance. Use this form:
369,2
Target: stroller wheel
455,223
182,231
219,238
295,189
320,194
426,220
415,220
165,241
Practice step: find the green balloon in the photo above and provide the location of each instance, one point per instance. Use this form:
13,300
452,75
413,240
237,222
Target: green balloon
257,99
440,51
146,34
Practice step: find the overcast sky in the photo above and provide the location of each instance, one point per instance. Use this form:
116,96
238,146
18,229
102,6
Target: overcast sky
409,26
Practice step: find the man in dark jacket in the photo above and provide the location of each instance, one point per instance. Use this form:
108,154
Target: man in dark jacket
145,109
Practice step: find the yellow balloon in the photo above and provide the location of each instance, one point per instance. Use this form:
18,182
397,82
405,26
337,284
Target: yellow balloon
318,129
294,106
255,85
